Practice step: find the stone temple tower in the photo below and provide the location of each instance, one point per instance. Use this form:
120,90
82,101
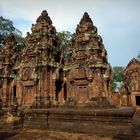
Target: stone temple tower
39,66
9,59
87,72
130,89
39,77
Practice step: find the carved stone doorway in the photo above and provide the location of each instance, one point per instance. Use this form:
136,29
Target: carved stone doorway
82,94
138,100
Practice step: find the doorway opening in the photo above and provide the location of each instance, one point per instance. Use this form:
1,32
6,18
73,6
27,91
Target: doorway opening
58,84
138,100
65,92
14,91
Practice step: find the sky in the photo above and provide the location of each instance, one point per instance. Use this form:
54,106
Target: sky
118,21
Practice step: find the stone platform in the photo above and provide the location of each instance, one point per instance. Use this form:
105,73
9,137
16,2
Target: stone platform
107,122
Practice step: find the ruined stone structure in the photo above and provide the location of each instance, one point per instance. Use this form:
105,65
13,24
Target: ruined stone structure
130,89
87,71
39,78
9,60
40,65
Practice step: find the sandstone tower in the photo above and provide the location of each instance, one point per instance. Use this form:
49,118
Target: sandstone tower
39,78
39,66
130,89
87,71
9,59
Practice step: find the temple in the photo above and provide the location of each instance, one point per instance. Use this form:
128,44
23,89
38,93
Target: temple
87,71
130,89
44,87
40,77
40,65
9,62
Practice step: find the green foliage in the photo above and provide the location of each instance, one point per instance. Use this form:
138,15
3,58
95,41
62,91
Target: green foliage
6,24
113,86
20,43
6,27
1,39
138,57
118,74
64,37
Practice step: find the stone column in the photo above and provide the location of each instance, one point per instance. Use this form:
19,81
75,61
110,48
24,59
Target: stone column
19,92
5,92
133,100
61,95
50,96
54,86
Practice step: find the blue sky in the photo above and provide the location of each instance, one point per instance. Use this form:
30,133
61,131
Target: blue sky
118,21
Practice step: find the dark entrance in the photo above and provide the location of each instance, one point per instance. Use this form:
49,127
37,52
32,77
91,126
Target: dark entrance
14,91
65,92
138,100
58,84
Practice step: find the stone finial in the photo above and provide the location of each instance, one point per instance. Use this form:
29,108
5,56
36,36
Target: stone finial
86,25
44,13
28,34
86,18
133,62
10,39
44,17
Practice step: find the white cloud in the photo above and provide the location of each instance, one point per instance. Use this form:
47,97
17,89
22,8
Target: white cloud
66,14
63,13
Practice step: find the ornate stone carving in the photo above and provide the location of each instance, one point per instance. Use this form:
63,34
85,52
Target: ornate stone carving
41,72
27,73
88,64
132,82
39,60
9,58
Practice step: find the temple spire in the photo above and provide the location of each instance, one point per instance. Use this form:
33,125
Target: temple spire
133,62
86,18
86,25
44,17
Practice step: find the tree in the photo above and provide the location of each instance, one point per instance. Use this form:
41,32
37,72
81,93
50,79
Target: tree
117,76
138,56
64,37
7,27
113,86
118,73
